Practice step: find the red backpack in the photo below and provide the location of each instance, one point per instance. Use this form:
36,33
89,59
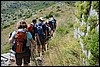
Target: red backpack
30,28
20,41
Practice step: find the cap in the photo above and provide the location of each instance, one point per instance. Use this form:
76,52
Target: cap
41,18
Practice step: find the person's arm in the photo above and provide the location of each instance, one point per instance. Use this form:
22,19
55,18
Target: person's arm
32,41
46,32
37,36
11,39
29,36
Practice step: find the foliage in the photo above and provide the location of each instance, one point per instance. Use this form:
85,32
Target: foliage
76,25
79,6
92,20
95,5
83,28
94,44
91,40
87,6
62,31
71,3
15,10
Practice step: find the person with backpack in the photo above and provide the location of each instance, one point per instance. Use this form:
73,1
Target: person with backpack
45,30
55,24
32,28
52,23
48,29
51,26
20,40
41,29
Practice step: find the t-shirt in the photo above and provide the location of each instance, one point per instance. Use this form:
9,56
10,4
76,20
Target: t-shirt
51,24
29,36
44,28
35,31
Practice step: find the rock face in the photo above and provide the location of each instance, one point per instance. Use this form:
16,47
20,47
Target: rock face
7,58
78,32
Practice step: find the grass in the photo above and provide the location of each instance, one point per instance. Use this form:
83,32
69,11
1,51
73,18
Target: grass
64,50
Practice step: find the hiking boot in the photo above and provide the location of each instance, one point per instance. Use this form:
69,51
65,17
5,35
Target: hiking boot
39,54
42,52
45,49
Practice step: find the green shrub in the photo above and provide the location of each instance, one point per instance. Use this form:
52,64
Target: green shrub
76,25
57,15
5,26
94,44
62,31
83,28
70,25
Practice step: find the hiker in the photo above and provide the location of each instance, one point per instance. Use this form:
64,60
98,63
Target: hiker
32,28
48,33
20,39
45,34
41,33
51,26
48,29
52,23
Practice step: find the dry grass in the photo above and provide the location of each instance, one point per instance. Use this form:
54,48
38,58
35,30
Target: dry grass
64,50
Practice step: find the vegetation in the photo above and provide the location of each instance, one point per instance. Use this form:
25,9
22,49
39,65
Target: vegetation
64,49
91,40
14,10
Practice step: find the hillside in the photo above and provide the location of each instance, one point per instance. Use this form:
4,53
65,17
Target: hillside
42,12
64,49
12,11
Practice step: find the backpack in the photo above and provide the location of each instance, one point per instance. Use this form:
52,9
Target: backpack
54,23
20,41
51,24
30,28
48,30
40,30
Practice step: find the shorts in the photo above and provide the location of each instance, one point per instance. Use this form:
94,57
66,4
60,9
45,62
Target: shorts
42,41
25,56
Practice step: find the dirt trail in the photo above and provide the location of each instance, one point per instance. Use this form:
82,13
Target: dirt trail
46,60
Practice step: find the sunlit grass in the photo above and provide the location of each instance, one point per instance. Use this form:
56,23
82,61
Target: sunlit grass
64,50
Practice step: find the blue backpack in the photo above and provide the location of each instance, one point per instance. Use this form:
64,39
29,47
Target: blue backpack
40,29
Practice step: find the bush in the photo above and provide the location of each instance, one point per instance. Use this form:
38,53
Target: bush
62,30
57,15
83,28
94,45
70,25
5,26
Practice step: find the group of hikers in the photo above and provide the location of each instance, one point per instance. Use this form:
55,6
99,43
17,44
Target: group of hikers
27,36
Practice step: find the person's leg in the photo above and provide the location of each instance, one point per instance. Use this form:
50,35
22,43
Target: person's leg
27,57
18,60
38,48
26,60
43,47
